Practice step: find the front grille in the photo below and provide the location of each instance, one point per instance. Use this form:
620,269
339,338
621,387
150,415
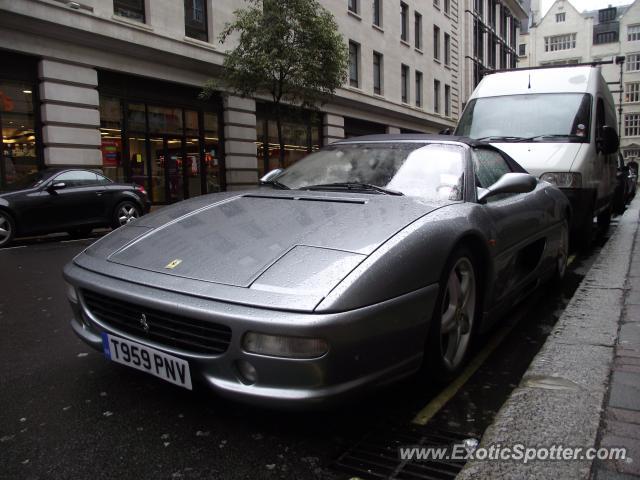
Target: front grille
184,333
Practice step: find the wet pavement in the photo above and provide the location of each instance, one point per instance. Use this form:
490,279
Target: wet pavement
65,412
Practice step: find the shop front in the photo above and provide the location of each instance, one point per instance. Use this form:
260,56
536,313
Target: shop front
302,134
161,136
20,154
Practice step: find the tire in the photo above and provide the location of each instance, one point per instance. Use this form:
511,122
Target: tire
604,220
124,213
80,232
456,310
562,254
7,228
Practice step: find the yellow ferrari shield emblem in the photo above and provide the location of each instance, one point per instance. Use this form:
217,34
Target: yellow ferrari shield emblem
173,264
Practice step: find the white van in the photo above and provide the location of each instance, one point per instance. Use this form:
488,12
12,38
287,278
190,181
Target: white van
560,124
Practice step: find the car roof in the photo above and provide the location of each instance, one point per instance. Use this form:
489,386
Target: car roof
412,137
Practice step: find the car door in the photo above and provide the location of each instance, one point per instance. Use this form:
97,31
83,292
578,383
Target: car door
76,199
517,219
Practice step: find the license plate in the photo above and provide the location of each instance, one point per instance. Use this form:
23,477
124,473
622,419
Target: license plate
157,363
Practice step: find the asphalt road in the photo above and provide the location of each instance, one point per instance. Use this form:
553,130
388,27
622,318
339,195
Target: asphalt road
66,412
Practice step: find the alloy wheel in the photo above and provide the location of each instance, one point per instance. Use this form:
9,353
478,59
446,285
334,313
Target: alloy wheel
6,229
127,213
458,313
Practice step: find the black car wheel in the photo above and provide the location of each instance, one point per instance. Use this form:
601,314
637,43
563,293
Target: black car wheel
7,228
563,252
124,213
453,320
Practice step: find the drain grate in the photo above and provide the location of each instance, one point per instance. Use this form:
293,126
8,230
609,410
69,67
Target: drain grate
376,456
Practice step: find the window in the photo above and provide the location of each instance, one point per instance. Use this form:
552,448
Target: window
377,13
404,21
377,73
436,96
447,49
131,9
560,17
447,100
404,83
447,6
631,154
353,6
632,92
633,62
633,33
418,89
489,166
478,6
418,30
632,125
522,49
354,55
605,37
607,14
436,3
18,149
79,178
560,42
436,42
195,19
492,13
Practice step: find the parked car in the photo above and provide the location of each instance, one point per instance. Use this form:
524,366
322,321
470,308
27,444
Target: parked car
68,200
348,270
560,124
625,186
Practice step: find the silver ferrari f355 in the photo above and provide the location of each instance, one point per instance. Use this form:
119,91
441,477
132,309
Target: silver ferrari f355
351,269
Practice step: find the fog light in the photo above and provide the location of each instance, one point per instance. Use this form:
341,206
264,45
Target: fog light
247,371
72,295
283,346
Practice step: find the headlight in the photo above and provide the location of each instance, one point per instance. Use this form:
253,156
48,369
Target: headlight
72,295
563,179
283,346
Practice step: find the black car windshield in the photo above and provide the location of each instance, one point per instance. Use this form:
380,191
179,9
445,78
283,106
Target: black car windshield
544,117
432,171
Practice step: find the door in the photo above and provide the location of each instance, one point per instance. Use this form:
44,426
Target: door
167,170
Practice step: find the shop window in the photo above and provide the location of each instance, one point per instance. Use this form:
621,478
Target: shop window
164,119
212,157
111,138
18,157
195,19
131,9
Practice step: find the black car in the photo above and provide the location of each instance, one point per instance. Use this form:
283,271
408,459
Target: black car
68,200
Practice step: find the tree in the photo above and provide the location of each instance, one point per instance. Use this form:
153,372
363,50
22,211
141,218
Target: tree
288,49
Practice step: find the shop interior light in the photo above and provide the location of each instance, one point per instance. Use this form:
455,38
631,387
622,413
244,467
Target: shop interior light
28,92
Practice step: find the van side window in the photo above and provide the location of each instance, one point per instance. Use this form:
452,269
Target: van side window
489,166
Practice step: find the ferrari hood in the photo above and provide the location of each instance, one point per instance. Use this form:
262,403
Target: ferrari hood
539,158
279,248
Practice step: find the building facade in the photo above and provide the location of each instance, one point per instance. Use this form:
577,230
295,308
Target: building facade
114,84
565,35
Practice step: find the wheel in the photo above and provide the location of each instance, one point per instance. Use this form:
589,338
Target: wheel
563,252
80,232
7,228
124,213
454,317
604,219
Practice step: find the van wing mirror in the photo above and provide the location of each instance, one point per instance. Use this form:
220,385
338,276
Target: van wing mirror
609,142
509,183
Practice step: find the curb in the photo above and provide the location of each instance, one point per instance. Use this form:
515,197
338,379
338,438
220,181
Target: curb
559,400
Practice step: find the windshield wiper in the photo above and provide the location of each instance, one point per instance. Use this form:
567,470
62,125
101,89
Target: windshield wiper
498,138
352,186
569,136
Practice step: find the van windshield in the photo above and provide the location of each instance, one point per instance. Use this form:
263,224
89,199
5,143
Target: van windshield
547,117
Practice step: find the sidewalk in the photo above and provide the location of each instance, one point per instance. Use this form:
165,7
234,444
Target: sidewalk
583,387
620,424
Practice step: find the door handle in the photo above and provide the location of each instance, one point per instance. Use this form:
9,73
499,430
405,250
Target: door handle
99,193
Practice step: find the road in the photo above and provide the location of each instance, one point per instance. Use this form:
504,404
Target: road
65,412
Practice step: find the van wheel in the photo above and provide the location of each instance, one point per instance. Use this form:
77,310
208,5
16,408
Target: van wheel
604,219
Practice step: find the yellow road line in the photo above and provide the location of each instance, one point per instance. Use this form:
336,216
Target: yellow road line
447,394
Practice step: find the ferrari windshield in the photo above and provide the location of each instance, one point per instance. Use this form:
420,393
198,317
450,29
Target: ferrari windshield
433,171
544,117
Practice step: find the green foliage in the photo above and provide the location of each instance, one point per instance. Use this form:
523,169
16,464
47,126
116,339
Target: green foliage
288,49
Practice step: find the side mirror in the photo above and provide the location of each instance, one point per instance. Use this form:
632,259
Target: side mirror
57,186
609,142
271,176
509,183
